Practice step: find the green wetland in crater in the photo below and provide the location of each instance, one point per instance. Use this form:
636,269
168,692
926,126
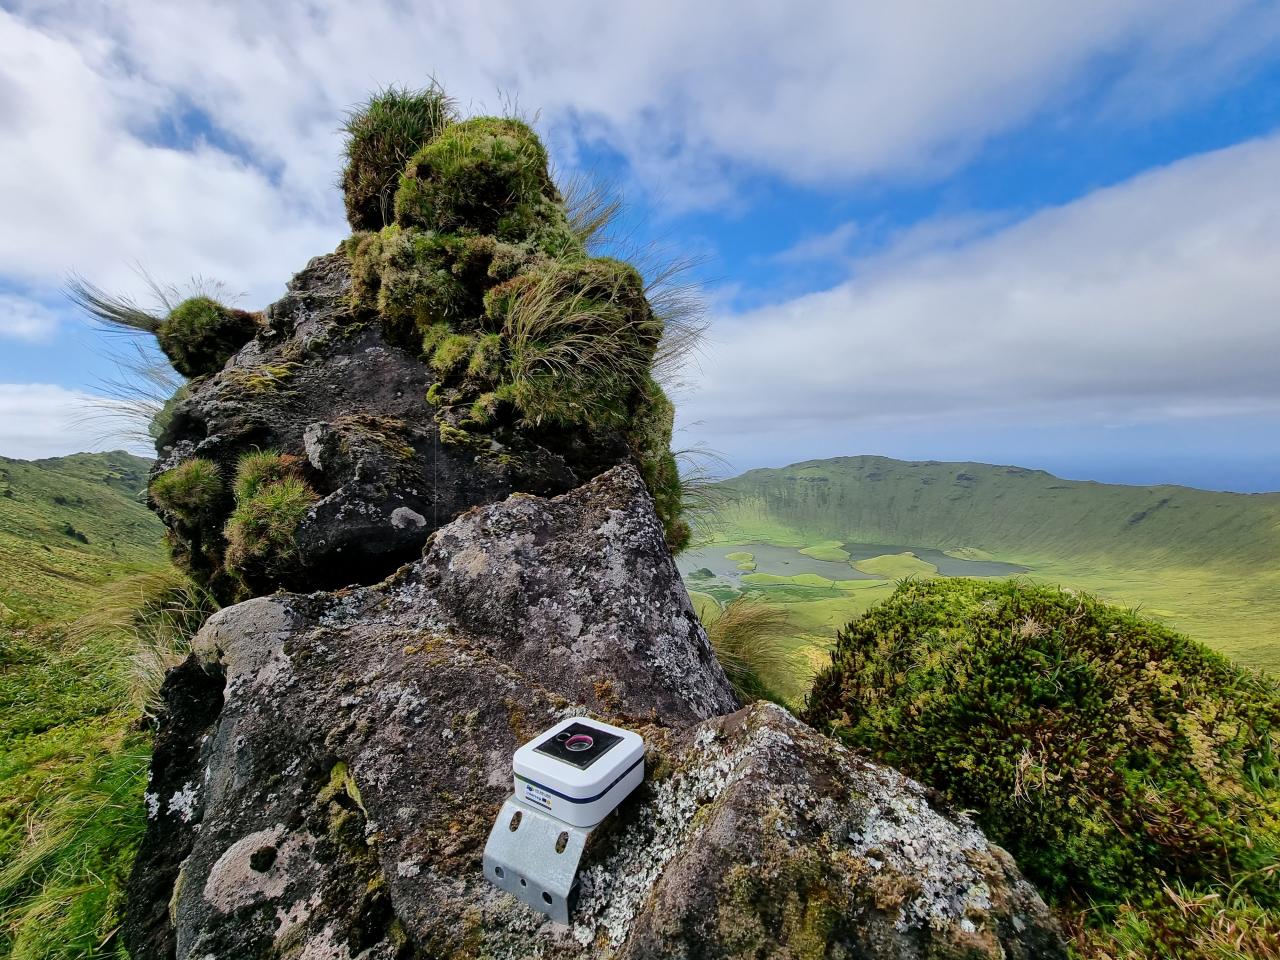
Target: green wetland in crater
790,562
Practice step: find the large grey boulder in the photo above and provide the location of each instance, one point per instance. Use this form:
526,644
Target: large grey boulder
338,804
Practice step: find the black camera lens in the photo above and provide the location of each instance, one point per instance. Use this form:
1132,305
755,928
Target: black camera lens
579,744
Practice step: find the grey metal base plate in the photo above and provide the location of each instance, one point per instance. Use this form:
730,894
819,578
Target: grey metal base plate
535,857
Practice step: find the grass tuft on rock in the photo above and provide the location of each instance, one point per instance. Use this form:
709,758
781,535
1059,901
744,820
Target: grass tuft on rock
200,335
382,134
190,491
260,534
749,640
1116,759
260,468
580,339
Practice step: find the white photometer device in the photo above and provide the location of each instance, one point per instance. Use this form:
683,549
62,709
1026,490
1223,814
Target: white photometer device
579,770
567,779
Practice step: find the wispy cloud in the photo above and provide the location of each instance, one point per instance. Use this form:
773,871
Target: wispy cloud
1154,299
24,319
45,420
832,246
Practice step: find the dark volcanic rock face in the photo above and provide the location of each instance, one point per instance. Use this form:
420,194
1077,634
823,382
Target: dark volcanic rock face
344,793
339,392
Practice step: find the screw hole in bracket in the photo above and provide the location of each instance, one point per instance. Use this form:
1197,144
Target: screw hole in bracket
546,897
562,841
514,825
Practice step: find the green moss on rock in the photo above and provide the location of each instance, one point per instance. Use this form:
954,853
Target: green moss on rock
200,335
486,175
272,500
190,491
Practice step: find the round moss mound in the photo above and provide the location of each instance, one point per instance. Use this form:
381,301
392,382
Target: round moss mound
486,175
1110,755
201,335
381,135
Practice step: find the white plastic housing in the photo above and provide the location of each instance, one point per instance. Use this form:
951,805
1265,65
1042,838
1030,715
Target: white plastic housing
579,797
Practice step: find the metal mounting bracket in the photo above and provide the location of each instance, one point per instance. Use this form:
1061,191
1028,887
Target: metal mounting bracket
535,857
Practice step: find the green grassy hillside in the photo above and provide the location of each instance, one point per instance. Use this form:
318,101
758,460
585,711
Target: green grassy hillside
70,524
1207,563
75,539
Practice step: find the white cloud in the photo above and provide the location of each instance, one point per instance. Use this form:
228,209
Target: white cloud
83,190
43,420
834,245
691,95
687,92
1155,299
1104,299
23,319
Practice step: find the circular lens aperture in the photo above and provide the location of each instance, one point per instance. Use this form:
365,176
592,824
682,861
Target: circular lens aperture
578,742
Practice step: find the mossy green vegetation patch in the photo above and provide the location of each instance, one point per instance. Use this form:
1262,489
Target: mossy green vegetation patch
381,136
1115,758
897,566
200,335
827,550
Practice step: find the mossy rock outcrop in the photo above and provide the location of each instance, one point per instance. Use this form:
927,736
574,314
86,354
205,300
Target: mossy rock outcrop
462,345
372,472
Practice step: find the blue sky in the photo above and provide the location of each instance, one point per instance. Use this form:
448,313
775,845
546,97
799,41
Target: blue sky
1040,234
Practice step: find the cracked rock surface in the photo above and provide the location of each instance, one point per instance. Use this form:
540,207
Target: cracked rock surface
332,798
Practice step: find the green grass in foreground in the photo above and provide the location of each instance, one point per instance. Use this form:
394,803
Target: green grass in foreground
813,607
73,765
73,759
